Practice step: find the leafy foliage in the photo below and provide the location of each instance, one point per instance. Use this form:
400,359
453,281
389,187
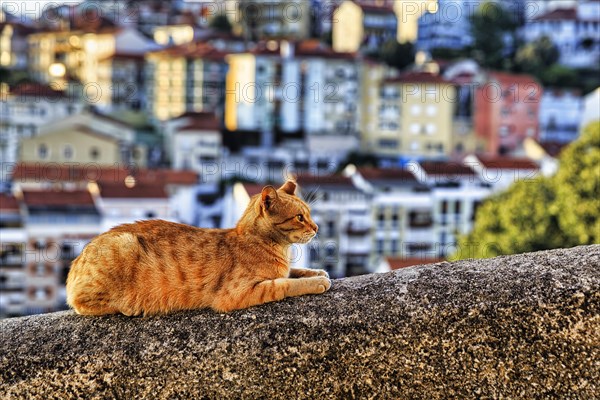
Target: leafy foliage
543,213
221,23
536,56
493,29
397,55
577,187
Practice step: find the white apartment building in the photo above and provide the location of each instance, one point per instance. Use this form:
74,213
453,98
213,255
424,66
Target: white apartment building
456,193
500,172
575,30
342,212
560,115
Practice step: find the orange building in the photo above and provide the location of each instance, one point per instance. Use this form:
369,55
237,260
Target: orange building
506,111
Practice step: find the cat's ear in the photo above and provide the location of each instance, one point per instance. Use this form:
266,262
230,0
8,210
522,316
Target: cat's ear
289,187
268,196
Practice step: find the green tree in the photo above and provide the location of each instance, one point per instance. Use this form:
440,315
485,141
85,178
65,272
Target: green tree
543,213
221,23
397,55
558,76
535,57
577,186
515,221
493,29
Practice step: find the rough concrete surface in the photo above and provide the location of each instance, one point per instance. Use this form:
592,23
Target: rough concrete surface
524,326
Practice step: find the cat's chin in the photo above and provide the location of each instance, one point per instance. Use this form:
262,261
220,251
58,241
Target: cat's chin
305,240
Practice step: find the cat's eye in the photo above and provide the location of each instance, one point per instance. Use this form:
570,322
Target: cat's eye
300,217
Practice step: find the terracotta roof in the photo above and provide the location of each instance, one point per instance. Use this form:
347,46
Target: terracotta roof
507,163
192,50
323,180
386,174
442,168
559,14
315,48
200,121
37,90
68,173
372,8
138,191
8,202
511,79
417,77
405,262
57,198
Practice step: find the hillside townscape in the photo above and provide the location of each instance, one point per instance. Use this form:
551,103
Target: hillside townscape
399,120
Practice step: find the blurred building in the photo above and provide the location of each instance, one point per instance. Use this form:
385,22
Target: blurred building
13,44
13,274
591,110
456,193
574,30
25,110
506,110
58,224
446,26
185,78
363,25
342,212
265,19
415,114
85,138
560,115
194,142
499,172
92,57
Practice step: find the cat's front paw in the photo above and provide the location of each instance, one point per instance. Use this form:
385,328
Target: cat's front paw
321,272
323,283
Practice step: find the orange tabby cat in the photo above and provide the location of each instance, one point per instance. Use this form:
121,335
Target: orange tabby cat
155,266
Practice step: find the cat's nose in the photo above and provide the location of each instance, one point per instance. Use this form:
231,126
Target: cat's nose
315,227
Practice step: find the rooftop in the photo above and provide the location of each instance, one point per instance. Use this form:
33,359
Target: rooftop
418,77
115,190
500,162
37,90
71,173
8,203
443,168
387,174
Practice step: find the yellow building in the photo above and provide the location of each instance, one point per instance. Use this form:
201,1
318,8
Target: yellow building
78,145
56,57
173,34
84,138
414,117
371,76
356,24
184,78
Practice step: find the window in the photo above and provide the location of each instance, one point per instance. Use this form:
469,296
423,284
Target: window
457,206
68,152
420,219
43,151
380,246
445,207
94,153
394,246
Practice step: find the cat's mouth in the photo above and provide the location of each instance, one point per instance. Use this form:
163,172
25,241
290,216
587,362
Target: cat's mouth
306,237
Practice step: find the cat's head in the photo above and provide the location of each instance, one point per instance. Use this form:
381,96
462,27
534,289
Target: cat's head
287,214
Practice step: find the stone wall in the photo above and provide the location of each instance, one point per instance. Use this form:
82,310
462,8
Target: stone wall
524,326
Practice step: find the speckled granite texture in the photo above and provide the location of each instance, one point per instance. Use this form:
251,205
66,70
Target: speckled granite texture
525,327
